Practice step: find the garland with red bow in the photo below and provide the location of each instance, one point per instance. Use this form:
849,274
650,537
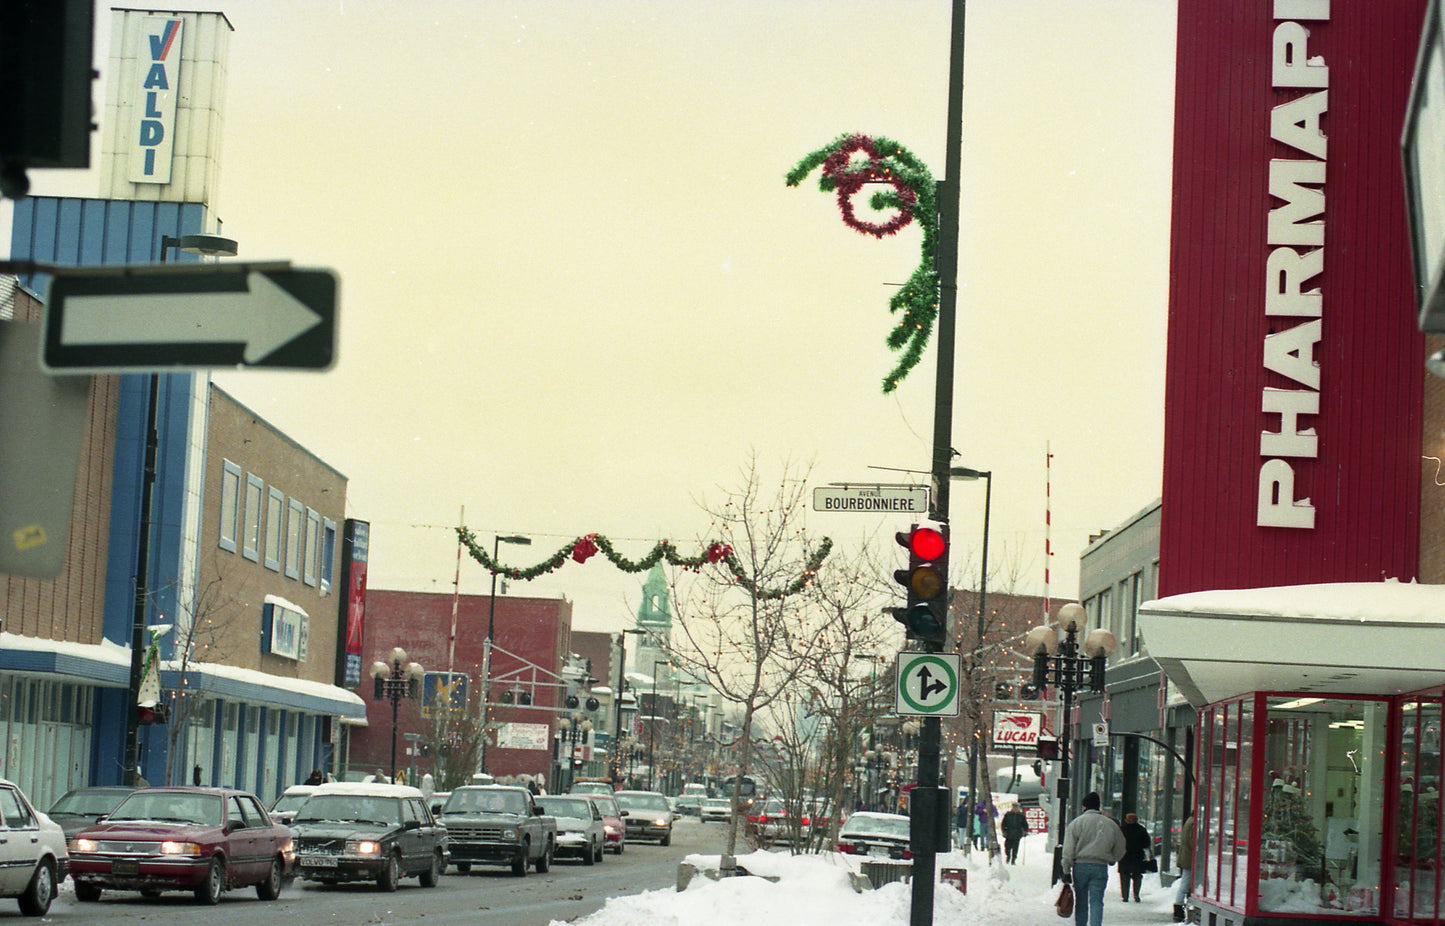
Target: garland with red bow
851,161
589,545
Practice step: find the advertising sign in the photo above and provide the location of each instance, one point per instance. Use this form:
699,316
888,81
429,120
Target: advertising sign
1017,728
1293,403
355,538
157,78
285,629
535,736
444,694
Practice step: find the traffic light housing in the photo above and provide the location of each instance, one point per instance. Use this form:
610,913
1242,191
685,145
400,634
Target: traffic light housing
925,582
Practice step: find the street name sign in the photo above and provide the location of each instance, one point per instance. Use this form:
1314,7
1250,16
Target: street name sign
928,684
171,317
872,498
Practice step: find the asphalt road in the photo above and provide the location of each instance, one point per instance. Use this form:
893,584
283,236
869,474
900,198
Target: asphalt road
569,890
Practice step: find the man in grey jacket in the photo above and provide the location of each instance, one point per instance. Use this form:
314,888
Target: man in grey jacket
1092,842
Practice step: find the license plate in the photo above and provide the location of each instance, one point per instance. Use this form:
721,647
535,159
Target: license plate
318,861
125,866
879,852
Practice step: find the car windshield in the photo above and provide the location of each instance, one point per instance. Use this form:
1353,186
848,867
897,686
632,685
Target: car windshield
875,826
481,800
88,803
641,801
170,807
573,807
288,802
608,806
350,808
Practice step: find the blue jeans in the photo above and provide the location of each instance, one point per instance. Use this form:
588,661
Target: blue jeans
1186,882
1090,879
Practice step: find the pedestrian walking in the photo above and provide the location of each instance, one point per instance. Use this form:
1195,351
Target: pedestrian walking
1014,827
984,812
1092,842
1185,857
961,822
1136,856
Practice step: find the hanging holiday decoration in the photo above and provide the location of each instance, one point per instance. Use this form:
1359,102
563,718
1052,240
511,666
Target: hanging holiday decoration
588,545
851,161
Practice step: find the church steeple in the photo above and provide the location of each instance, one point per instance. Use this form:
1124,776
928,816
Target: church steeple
655,613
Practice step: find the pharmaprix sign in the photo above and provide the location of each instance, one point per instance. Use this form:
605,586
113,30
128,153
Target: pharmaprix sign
1293,388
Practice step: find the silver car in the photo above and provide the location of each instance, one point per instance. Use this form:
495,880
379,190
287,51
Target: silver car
580,829
649,816
33,857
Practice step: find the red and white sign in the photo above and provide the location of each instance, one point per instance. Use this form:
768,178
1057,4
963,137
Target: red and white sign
1293,395
1017,728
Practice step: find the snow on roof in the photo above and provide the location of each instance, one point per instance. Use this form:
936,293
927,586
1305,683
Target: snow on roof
1388,601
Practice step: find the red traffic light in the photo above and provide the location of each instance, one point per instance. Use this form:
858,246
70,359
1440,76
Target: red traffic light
926,543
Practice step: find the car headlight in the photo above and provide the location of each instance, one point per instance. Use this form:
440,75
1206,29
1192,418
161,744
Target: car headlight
83,845
659,823
363,847
609,828
179,848
509,834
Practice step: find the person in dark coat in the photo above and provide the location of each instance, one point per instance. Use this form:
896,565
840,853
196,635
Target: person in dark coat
1137,846
316,777
961,823
1014,827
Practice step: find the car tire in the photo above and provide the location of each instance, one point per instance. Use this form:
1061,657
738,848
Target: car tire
209,891
589,857
620,846
665,840
601,851
430,877
544,861
86,893
463,867
38,894
270,888
522,861
390,875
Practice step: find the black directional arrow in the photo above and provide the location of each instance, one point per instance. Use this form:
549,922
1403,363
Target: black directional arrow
928,687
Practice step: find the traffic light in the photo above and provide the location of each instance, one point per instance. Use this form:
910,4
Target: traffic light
925,615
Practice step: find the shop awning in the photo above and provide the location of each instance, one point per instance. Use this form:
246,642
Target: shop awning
1362,638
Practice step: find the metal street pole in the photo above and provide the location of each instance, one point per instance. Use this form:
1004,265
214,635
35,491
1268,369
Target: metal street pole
932,815
487,646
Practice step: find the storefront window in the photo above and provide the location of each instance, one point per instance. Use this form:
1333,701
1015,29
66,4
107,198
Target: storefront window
1321,806
1416,841
1220,865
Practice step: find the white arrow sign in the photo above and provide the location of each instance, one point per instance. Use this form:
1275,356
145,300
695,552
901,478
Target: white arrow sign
157,318
262,317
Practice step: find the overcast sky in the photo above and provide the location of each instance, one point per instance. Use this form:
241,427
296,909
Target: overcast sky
576,293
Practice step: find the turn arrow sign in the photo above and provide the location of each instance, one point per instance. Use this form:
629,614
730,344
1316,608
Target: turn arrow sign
168,318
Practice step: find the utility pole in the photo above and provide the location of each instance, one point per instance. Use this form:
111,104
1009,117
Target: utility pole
931,812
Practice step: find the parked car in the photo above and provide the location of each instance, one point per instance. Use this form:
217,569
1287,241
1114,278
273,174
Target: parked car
33,857
769,821
82,807
881,835
290,801
497,825
648,815
369,832
203,840
715,808
580,830
612,823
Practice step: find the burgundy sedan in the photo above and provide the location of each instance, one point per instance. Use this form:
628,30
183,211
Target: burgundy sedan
203,840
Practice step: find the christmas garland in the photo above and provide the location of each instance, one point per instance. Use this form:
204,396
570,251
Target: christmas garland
584,547
849,162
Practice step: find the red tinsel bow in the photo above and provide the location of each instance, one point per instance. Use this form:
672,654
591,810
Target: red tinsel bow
584,548
718,552
851,177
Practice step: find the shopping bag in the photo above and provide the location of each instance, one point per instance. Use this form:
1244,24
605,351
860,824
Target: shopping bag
1065,904
1151,864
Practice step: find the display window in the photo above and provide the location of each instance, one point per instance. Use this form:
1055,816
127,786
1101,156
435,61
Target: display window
1293,791
1415,843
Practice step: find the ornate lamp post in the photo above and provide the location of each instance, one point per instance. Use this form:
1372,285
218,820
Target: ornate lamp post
1070,667
400,679
491,638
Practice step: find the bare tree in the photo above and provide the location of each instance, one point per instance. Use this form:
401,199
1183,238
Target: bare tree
455,739
201,632
740,619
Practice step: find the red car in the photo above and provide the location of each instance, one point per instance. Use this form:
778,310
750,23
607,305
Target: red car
203,840
612,825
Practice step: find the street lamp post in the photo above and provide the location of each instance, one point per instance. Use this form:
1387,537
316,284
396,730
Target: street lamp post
400,679
961,472
1070,667
208,246
487,647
